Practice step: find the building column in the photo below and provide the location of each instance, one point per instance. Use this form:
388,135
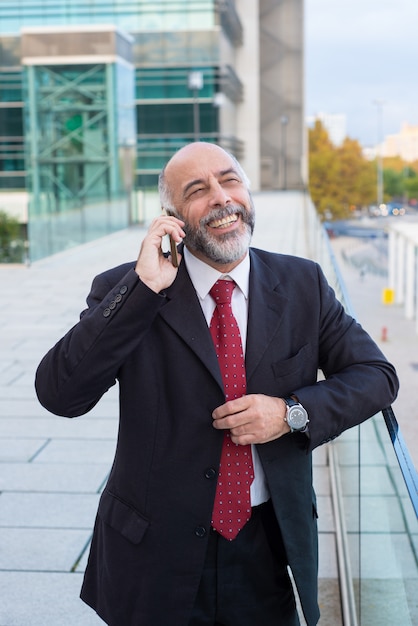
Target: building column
416,290
392,245
248,111
410,281
400,271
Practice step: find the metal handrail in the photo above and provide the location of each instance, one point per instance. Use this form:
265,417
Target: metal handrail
406,464
348,604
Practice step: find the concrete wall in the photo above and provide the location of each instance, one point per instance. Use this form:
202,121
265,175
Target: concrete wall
248,69
282,135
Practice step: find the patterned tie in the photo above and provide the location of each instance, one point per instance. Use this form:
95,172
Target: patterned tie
232,507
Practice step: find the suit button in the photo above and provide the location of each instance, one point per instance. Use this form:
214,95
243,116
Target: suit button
118,298
112,305
123,289
210,473
200,531
106,312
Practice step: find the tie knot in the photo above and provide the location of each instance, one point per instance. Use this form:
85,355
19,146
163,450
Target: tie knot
222,290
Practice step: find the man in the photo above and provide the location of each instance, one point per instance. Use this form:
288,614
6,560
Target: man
162,554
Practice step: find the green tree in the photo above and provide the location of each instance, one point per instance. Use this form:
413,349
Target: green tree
357,176
393,183
11,245
339,177
411,185
322,170
400,178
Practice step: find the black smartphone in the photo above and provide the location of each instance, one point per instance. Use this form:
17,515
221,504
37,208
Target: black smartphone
174,254
173,246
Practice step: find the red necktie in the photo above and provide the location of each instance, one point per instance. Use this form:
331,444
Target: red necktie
232,507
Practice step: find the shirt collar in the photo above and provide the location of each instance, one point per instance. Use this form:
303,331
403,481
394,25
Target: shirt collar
203,276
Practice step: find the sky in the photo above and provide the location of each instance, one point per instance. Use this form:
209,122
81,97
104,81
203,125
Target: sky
357,53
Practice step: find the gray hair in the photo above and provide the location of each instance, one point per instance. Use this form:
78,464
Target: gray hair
165,191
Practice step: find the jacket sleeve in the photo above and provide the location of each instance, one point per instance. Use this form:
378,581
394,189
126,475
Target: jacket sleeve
84,364
358,381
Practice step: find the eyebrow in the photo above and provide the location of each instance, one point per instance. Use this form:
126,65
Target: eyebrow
192,183
199,181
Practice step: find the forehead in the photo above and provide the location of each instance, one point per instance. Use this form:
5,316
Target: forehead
198,162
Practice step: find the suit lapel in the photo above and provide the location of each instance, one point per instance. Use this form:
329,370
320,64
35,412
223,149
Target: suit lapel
266,308
185,316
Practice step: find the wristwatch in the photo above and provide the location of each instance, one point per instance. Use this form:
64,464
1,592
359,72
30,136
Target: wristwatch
296,416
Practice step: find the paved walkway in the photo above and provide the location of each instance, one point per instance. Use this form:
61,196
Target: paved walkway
52,469
395,335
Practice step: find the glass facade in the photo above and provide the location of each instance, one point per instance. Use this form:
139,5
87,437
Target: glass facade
12,157
79,129
64,125
130,15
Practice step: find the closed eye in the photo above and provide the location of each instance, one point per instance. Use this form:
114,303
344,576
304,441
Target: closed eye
191,193
231,180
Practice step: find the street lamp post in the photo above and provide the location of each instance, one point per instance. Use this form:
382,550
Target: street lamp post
284,120
196,84
128,172
379,104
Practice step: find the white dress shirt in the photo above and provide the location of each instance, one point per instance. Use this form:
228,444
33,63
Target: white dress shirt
203,277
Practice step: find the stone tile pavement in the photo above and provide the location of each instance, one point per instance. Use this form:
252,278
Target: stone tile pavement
51,469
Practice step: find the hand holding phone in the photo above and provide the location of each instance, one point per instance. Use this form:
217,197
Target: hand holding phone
158,259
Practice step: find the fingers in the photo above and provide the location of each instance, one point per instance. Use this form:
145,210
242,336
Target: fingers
165,225
237,420
255,418
154,269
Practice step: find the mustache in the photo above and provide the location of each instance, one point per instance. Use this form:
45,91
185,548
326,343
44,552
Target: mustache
230,209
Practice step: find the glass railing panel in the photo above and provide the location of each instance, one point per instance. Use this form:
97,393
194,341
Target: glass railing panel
388,567
381,528
379,493
51,232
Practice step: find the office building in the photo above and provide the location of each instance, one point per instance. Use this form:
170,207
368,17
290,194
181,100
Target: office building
403,144
96,96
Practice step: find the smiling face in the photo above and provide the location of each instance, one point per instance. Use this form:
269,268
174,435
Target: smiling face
209,192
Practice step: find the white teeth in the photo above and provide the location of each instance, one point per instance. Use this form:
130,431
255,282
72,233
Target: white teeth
230,219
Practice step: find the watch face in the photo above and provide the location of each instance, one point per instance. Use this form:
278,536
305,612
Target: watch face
297,417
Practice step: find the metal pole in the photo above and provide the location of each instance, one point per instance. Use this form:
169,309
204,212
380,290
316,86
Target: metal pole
196,115
284,122
128,157
379,104
195,83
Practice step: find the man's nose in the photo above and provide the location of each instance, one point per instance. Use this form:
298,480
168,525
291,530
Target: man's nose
219,196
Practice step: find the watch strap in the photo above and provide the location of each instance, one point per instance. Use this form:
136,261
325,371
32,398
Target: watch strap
290,401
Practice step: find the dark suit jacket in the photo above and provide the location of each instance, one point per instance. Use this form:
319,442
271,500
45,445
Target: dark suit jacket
152,526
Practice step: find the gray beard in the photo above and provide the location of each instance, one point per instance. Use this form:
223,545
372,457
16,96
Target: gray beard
224,249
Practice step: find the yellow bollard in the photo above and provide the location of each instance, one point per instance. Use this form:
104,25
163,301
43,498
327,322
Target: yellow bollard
388,296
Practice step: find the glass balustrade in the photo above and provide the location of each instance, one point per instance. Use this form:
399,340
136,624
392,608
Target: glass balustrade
378,499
